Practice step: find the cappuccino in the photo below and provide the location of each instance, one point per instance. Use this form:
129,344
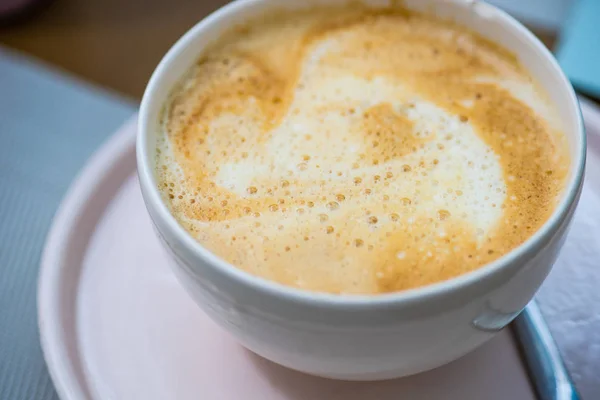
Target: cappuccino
359,150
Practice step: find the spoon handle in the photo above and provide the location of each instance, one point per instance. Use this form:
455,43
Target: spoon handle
549,375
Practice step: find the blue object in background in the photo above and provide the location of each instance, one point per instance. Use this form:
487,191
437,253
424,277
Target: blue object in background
544,15
578,49
49,125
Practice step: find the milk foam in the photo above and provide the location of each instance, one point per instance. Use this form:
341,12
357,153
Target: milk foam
347,179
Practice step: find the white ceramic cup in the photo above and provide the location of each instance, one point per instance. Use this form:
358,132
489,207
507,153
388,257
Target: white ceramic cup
363,337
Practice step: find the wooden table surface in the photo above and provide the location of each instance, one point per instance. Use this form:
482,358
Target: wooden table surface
113,43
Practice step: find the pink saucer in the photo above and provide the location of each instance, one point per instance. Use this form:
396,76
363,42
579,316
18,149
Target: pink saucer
115,323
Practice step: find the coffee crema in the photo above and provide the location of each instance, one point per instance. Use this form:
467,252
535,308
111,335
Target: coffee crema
359,150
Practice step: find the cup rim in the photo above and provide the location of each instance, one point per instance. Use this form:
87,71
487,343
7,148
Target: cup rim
530,246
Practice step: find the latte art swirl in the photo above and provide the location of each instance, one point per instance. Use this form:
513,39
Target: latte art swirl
373,151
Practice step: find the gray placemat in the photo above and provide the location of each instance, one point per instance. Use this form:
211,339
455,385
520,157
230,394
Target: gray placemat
49,125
